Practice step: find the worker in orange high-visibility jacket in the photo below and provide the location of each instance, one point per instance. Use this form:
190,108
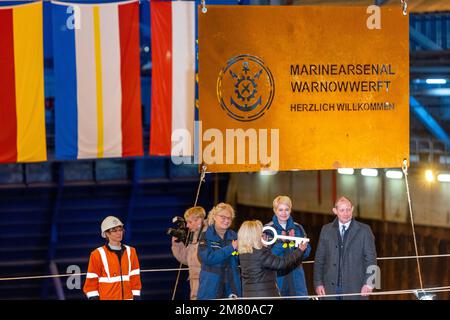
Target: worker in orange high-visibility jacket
113,271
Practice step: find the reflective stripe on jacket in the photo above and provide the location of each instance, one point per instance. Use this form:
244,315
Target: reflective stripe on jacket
109,280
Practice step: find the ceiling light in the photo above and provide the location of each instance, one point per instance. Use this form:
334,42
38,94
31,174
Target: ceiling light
369,172
443,177
267,172
349,171
394,174
436,81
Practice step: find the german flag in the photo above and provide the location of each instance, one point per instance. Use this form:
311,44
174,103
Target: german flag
22,115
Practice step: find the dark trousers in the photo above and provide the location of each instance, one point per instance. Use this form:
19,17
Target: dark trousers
339,290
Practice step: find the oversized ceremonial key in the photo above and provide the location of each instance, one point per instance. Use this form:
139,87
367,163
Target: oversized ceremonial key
276,236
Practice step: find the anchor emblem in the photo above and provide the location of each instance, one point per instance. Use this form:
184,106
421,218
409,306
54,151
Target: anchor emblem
245,88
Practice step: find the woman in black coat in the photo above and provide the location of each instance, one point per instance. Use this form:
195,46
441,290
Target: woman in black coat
259,265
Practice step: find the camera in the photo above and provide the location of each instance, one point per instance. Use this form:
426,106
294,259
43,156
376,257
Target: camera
181,231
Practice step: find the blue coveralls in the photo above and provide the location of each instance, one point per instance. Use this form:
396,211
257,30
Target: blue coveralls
292,283
219,274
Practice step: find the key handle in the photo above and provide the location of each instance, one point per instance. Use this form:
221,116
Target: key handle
298,240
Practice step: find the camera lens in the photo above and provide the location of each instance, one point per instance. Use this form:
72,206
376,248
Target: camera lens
180,234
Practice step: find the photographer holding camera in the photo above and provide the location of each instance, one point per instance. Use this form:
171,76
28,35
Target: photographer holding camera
185,243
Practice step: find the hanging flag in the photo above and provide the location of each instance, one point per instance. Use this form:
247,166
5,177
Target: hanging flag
173,78
97,80
22,102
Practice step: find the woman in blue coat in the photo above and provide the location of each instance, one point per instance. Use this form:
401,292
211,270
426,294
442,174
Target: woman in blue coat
291,283
219,275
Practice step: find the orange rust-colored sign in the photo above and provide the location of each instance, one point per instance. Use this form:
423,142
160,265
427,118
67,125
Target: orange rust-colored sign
309,88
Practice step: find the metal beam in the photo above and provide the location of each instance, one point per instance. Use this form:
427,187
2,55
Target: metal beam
429,121
423,40
431,69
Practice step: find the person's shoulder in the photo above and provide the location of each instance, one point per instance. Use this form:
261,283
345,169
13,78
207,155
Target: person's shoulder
97,250
232,233
274,225
328,225
205,235
208,229
298,225
209,233
269,224
299,229
264,251
256,254
362,225
131,248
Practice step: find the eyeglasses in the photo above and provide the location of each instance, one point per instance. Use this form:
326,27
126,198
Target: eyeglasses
224,217
115,229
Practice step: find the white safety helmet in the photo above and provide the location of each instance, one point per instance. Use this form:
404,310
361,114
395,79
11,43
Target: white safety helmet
108,223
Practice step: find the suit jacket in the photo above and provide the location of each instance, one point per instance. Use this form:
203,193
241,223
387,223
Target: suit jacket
350,258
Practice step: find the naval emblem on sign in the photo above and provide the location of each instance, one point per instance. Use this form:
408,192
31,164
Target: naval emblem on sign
245,88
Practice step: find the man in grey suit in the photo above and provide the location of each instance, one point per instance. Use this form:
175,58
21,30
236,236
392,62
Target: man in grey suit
346,256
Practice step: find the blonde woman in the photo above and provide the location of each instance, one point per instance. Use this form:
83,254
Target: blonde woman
291,283
259,265
187,255
219,275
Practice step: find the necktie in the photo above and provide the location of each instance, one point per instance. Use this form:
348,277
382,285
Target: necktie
343,232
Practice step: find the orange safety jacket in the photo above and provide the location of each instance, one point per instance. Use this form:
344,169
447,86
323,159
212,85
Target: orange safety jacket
109,280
